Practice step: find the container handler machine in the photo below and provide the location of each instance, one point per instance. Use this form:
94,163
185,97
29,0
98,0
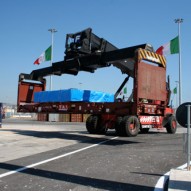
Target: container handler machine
147,107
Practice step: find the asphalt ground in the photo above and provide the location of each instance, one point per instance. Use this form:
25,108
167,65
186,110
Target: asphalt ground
63,156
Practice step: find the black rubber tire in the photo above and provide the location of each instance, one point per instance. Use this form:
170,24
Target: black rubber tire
171,125
131,125
92,124
119,130
101,129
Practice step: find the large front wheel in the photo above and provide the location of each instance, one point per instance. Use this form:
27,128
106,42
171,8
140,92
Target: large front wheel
131,125
171,124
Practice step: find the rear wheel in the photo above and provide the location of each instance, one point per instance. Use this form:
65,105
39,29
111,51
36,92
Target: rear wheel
171,124
119,130
131,125
102,129
94,126
92,123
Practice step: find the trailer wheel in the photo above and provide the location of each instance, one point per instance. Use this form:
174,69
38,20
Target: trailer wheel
101,129
131,125
171,124
118,128
92,124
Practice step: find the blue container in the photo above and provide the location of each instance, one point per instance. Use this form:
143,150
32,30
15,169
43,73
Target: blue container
59,96
97,96
37,97
54,96
41,97
71,95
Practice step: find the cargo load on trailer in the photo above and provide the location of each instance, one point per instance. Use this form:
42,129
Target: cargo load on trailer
73,94
147,106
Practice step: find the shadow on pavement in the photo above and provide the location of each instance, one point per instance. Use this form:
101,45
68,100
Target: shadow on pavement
144,173
71,135
79,180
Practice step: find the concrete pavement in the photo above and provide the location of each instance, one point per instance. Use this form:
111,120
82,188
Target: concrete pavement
179,180
53,136
29,137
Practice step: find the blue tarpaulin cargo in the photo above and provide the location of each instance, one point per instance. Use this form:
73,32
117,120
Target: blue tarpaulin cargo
97,96
70,95
59,96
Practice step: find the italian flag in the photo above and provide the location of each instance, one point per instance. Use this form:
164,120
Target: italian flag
45,56
175,90
125,90
171,47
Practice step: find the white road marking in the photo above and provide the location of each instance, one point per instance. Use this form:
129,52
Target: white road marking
160,184
52,159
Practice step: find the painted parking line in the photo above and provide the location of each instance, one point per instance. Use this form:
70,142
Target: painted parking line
161,182
54,158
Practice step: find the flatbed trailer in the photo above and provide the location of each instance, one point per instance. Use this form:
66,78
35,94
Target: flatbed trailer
147,107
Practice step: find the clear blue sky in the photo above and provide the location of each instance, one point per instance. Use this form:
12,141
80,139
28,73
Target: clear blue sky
24,36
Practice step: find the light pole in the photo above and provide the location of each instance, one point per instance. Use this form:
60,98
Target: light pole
179,21
51,60
177,83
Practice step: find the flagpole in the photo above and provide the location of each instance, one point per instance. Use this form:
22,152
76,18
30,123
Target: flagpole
179,21
177,82
51,60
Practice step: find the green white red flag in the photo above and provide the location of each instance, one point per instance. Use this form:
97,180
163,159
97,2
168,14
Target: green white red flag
175,90
125,90
171,47
45,56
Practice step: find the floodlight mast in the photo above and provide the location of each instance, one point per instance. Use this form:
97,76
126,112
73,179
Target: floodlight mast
179,21
51,60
